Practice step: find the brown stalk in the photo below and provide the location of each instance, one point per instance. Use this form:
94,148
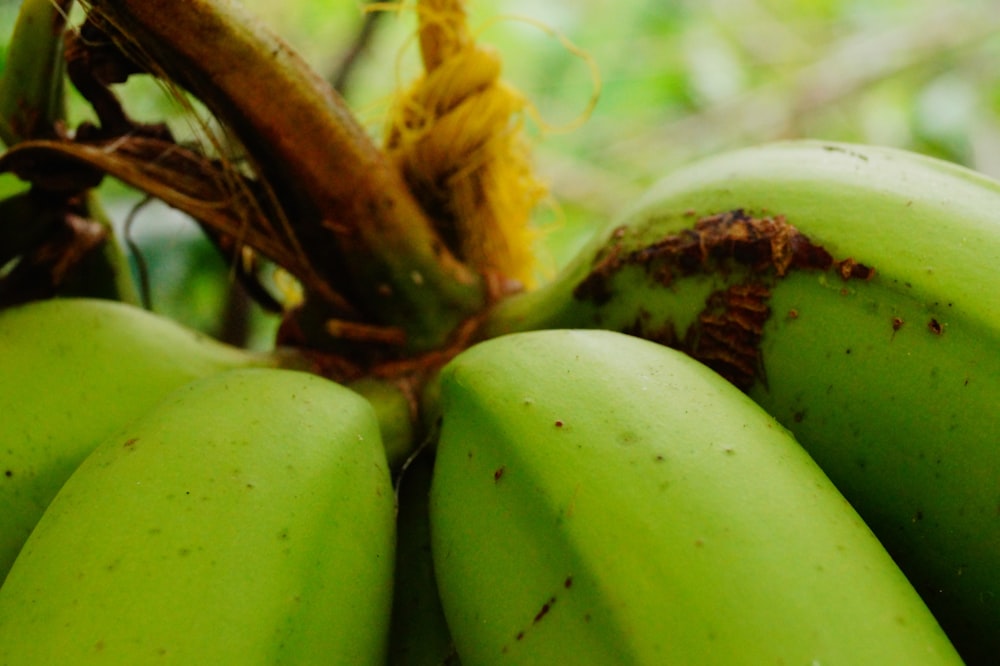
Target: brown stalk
353,217
182,178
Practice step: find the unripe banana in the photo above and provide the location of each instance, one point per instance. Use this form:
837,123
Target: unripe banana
601,499
419,634
74,370
246,519
853,292
395,415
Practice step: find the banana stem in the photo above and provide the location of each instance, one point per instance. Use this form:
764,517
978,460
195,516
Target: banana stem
550,306
32,103
31,89
351,212
107,272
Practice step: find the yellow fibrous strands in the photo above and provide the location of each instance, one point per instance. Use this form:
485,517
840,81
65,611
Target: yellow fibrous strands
457,136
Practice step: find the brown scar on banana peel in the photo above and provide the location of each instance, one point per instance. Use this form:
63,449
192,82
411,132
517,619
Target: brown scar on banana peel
727,333
849,268
729,330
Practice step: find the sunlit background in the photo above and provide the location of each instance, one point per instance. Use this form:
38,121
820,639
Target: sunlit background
677,80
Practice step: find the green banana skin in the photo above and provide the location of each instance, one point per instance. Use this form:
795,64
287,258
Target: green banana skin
419,635
892,383
601,499
248,518
75,370
395,414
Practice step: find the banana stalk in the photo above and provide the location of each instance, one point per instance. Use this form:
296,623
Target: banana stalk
852,292
351,216
63,246
31,87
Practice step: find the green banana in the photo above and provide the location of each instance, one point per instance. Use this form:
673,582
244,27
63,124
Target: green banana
419,634
395,415
601,499
852,291
246,519
75,370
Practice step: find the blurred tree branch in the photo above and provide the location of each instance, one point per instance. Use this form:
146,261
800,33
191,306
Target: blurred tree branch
778,108
340,79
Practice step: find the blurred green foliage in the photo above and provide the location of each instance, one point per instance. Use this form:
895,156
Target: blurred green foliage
679,79
682,79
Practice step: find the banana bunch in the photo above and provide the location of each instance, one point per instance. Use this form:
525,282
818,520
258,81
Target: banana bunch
247,518
853,292
74,371
602,499
797,464
584,502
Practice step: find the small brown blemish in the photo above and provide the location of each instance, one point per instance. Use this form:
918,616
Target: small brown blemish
799,415
499,472
130,443
793,314
568,583
8,473
559,424
849,268
934,326
897,323
520,636
544,610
